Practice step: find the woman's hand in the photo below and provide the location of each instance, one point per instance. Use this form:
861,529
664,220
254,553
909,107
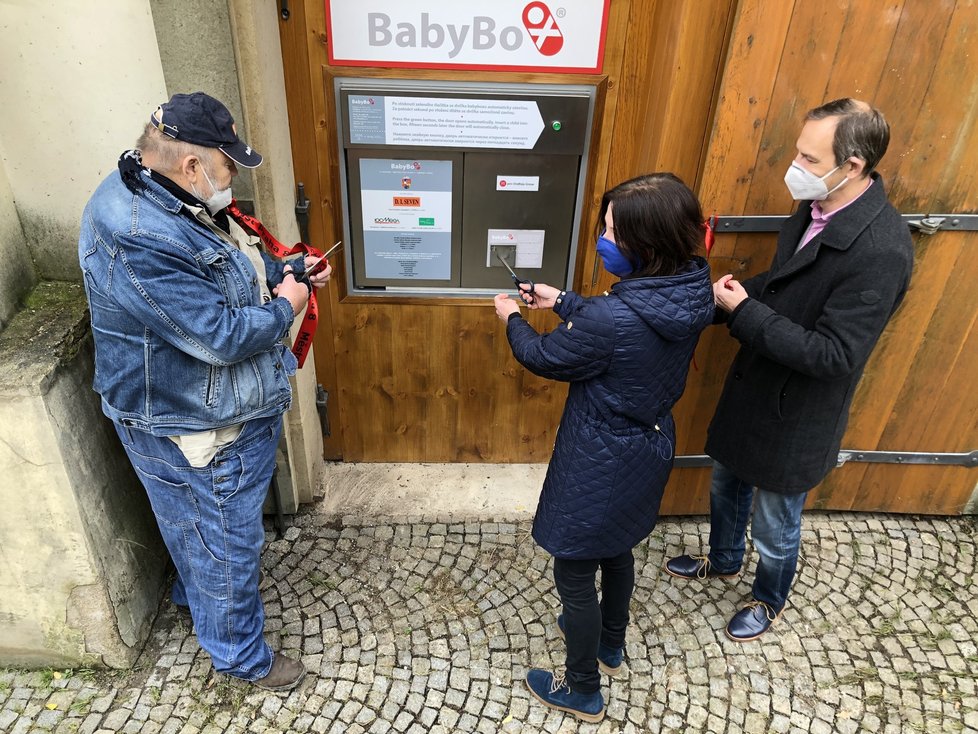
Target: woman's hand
543,296
505,307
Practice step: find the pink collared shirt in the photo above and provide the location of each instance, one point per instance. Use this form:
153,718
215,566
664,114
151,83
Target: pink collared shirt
820,221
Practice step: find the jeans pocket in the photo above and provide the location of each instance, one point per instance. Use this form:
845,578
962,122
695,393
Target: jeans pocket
173,502
209,572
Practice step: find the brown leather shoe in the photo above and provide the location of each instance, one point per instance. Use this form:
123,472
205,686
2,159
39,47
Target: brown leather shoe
285,674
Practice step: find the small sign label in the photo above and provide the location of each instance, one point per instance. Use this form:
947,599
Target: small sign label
426,221
517,183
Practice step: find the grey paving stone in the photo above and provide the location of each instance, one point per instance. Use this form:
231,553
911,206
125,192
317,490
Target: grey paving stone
425,624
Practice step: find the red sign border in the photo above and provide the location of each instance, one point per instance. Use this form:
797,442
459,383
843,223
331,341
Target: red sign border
378,63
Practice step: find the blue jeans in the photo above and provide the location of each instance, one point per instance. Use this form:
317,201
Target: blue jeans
211,522
588,622
775,530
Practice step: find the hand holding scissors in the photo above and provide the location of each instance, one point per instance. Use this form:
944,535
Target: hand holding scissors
524,287
316,266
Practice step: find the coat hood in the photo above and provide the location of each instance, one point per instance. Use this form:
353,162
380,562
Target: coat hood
676,306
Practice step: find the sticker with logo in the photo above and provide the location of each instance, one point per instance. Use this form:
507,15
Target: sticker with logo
543,29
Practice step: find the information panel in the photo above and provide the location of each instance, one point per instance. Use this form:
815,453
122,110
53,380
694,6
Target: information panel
444,122
407,218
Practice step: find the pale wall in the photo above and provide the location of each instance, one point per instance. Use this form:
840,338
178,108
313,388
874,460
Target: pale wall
16,270
81,559
198,56
79,80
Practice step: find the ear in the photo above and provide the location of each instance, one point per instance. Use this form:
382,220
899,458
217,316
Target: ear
189,166
855,167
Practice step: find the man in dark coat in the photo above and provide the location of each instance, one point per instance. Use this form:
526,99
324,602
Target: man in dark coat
807,327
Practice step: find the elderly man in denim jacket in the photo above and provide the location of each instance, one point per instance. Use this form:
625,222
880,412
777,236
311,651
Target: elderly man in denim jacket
189,315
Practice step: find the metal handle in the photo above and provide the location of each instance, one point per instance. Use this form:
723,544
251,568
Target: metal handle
322,406
302,211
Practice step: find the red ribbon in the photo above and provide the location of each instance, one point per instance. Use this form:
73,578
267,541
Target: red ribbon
710,226
300,348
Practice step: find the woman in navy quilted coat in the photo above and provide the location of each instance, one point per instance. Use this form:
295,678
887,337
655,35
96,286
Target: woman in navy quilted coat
626,356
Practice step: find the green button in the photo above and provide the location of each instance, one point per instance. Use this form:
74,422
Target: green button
555,125
426,221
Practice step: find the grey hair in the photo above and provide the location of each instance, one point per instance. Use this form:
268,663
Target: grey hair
861,132
168,151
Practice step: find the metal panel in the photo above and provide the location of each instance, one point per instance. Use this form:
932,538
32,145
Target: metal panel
551,209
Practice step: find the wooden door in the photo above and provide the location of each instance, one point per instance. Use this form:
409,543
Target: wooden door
714,90
914,60
433,379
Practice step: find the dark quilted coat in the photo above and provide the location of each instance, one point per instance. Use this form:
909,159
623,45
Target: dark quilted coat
626,356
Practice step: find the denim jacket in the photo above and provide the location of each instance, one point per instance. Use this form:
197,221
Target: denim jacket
182,340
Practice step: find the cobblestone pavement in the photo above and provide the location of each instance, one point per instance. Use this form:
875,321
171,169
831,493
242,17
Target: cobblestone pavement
419,624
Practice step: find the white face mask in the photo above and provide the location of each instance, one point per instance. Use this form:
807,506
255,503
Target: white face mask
805,185
218,199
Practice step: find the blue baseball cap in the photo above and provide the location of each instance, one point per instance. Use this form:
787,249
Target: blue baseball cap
200,119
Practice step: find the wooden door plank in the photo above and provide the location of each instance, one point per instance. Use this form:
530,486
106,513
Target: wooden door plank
750,74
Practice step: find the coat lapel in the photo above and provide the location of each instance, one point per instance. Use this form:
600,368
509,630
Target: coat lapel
839,234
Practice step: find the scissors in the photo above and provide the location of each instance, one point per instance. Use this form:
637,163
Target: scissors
516,279
310,269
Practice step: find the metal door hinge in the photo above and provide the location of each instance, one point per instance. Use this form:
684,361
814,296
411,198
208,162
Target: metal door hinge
925,223
969,460
909,457
284,4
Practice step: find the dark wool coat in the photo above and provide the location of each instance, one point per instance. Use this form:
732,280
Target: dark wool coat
806,333
626,356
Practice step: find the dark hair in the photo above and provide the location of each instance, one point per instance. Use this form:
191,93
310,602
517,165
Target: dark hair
861,132
658,223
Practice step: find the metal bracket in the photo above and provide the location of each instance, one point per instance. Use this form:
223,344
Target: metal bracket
322,400
909,457
969,460
925,223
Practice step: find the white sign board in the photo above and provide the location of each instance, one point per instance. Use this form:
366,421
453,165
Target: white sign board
444,122
407,218
528,244
504,35
517,183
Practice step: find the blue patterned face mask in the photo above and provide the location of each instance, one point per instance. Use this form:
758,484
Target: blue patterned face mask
614,261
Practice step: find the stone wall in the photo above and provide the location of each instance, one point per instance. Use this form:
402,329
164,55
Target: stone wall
81,560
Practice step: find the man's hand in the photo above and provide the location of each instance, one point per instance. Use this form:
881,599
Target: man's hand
321,276
505,306
296,293
728,293
543,296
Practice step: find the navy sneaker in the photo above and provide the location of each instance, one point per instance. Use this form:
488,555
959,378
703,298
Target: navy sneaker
751,622
609,658
553,691
695,567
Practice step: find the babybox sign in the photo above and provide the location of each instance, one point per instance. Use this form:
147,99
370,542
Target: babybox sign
514,35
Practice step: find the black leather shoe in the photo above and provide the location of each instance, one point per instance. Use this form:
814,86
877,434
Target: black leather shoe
695,567
751,622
